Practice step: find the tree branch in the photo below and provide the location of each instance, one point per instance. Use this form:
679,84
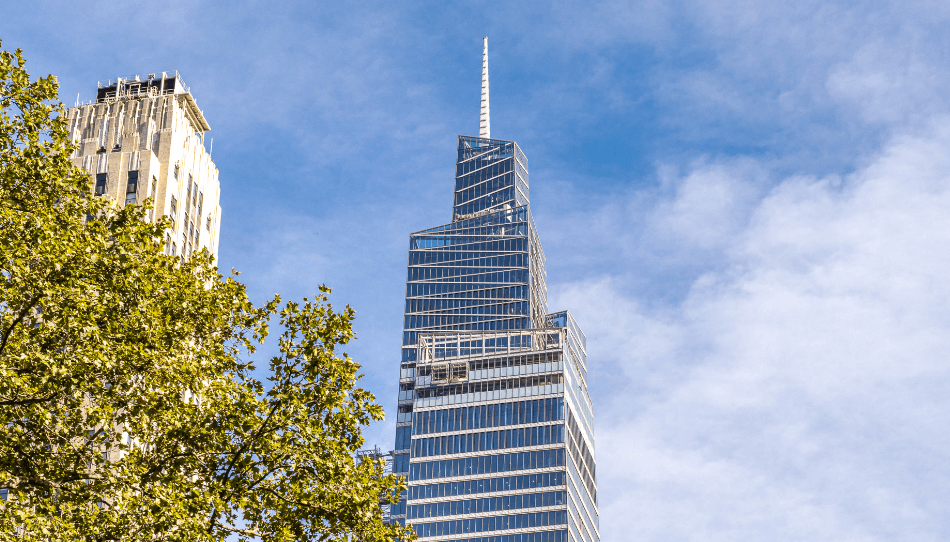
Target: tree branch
24,402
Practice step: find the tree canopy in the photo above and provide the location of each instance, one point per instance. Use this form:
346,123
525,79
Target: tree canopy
130,407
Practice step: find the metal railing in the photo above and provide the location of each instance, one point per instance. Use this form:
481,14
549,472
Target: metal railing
446,346
125,87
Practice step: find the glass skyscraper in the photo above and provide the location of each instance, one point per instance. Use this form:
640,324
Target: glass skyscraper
495,423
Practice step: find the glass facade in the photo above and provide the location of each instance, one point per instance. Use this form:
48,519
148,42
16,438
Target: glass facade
494,429
490,175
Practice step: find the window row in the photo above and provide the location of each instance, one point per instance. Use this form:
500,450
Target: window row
498,346
545,536
453,244
439,288
477,274
502,384
480,184
541,358
496,523
458,315
473,323
474,291
484,228
471,259
488,440
465,299
488,504
484,167
491,177
506,195
478,149
461,255
497,225
487,464
488,485
479,417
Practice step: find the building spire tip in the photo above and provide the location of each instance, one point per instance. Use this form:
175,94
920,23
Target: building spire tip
484,121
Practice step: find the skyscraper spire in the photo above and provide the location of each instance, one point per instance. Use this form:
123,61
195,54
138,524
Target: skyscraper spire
484,122
489,260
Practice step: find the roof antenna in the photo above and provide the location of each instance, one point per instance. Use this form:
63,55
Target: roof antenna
484,122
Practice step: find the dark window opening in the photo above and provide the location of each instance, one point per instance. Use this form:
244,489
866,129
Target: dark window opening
131,187
100,184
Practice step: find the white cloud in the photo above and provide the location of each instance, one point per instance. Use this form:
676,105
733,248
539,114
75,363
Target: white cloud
898,80
708,206
802,391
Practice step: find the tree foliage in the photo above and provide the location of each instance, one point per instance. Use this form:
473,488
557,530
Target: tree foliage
129,409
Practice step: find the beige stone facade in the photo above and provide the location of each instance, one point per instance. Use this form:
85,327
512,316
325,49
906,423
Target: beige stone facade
144,137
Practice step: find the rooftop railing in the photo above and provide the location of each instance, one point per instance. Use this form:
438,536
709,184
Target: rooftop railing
125,87
446,346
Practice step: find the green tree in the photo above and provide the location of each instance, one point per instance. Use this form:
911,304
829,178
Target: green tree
129,408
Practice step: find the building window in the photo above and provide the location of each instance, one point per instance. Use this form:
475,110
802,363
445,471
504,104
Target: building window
131,187
173,210
403,435
208,223
176,170
401,464
100,184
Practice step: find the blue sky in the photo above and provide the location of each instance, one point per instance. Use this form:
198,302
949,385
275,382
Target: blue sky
745,204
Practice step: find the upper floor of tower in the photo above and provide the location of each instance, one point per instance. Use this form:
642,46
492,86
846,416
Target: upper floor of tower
144,138
491,175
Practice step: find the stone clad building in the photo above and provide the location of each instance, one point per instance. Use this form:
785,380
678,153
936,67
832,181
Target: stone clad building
144,137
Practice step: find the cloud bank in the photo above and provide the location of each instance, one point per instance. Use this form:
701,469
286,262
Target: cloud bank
802,390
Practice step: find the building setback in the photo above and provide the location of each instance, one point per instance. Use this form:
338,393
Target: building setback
143,137
494,428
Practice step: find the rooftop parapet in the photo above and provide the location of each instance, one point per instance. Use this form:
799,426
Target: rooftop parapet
151,86
136,85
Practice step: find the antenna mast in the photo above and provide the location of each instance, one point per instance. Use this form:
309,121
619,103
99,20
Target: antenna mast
484,121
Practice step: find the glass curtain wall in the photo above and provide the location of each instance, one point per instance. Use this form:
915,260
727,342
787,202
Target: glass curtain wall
493,403
484,270
490,175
